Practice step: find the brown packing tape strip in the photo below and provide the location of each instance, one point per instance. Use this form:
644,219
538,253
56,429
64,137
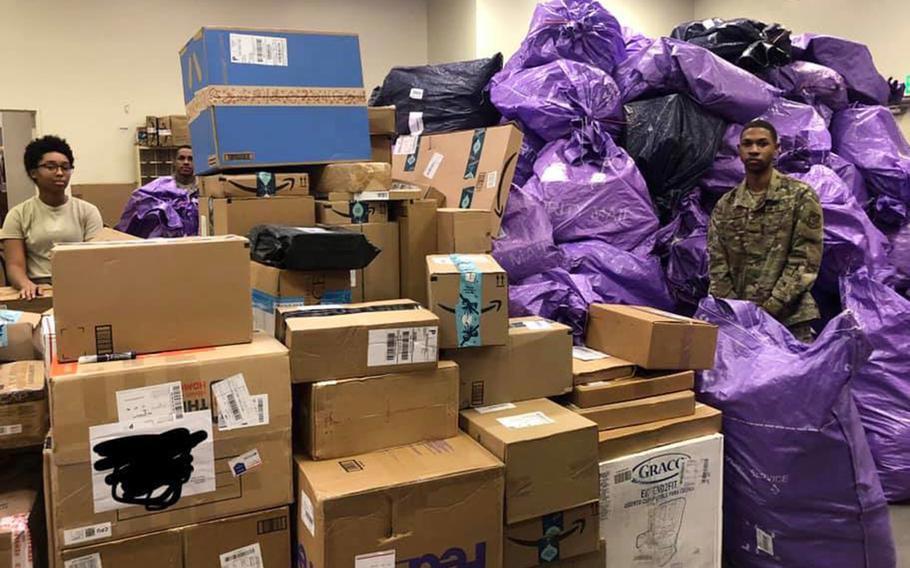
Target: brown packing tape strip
233,95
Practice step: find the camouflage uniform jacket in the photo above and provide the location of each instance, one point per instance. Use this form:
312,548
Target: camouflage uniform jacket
767,248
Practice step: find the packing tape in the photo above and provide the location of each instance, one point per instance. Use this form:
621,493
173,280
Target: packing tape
474,153
324,312
236,95
469,303
688,338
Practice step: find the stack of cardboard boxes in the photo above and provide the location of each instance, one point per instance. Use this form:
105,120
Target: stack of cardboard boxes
169,131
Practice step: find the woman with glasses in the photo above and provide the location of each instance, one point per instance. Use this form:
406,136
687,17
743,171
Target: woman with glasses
32,227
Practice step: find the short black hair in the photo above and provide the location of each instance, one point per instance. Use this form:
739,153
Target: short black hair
764,124
37,148
185,147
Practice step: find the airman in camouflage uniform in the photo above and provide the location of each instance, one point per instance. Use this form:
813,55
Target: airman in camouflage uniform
766,246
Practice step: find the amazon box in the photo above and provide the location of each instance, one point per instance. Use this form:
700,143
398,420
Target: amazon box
20,336
426,504
662,507
274,287
472,168
631,388
417,224
353,177
553,537
470,294
358,340
381,148
631,439
640,411
256,539
464,231
596,559
380,279
259,184
382,120
237,215
10,300
550,455
23,405
591,366
152,295
169,439
651,338
355,416
109,198
535,362
351,212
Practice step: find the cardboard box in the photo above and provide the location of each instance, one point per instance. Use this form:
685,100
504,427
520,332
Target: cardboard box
351,212
259,184
109,198
107,234
416,240
597,559
141,136
260,539
398,194
151,295
591,366
380,279
631,439
464,231
651,338
535,362
274,287
472,168
424,504
382,120
356,416
631,388
20,336
358,340
227,408
662,507
151,130
552,537
520,435
640,411
470,294
381,149
237,215
23,405
252,94
173,130
353,178
22,528
10,300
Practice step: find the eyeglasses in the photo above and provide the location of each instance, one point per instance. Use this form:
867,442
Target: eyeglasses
52,168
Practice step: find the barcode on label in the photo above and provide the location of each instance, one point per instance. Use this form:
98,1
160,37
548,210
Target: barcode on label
10,429
481,181
390,341
85,534
234,407
90,561
402,346
405,344
705,472
246,557
764,542
177,400
622,477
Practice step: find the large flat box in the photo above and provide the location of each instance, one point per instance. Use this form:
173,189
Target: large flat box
20,336
10,300
259,184
221,415
424,504
621,441
153,295
640,411
662,507
550,454
356,416
651,338
632,388
354,177
470,294
277,287
252,94
237,215
591,366
254,540
416,240
535,362
472,168
381,147
351,212
109,198
108,234
464,231
23,405
358,340
553,537
380,279
382,120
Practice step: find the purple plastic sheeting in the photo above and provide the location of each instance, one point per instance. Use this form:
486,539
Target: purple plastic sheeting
683,246
527,155
672,66
799,479
881,387
900,253
618,276
634,40
728,170
803,134
809,83
852,60
578,30
525,245
595,195
554,295
553,99
851,176
869,137
160,209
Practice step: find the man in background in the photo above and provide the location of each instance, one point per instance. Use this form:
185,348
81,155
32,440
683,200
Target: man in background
183,169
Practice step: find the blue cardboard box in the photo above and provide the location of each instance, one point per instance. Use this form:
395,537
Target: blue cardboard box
259,98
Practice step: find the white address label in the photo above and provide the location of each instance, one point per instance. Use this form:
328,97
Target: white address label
245,462
494,408
307,513
529,420
90,561
433,165
587,354
259,50
87,534
384,559
246,557
10,429
401,346
157,402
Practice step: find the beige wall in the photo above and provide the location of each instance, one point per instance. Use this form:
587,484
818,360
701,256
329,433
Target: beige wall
93,69
451,26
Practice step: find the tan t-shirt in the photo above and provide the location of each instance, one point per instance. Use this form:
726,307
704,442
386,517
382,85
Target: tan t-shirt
41,225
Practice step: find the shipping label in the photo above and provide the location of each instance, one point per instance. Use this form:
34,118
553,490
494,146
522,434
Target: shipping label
259,50
401,346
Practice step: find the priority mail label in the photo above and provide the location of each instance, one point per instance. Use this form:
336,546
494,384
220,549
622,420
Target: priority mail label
245,462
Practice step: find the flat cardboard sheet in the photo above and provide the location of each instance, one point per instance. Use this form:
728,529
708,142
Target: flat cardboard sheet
631,388
640,411
621,441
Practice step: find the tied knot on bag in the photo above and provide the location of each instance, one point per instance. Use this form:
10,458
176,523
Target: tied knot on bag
590,142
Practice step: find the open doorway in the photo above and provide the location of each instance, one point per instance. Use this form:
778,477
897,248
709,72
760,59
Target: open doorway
17,129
